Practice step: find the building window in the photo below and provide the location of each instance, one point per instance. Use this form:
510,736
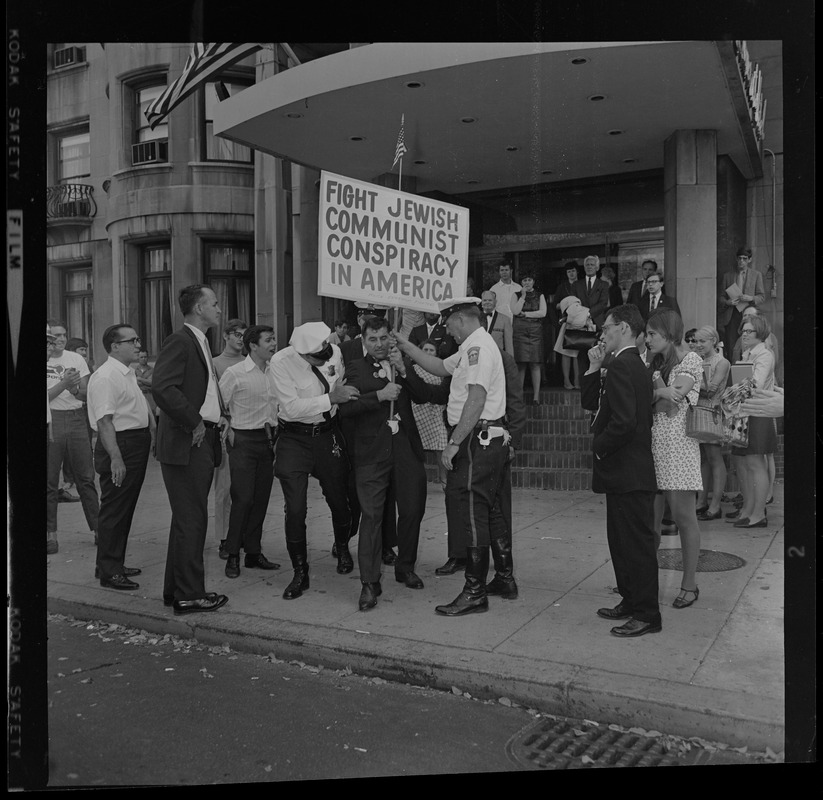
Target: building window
78,303
73,157
229,270
144,96
156,299
216,147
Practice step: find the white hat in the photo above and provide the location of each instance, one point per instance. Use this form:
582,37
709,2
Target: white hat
310,337
568,301
450,306
49,334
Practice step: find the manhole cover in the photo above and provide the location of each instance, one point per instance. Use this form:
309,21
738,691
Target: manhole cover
707,561
572,744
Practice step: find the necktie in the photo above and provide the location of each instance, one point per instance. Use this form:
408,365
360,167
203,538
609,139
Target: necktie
654,302
588,291
488,322
741,278
322,378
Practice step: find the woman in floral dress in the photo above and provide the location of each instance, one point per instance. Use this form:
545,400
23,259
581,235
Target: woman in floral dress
676,374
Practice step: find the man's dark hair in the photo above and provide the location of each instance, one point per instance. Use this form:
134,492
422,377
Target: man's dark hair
56,323
630,314
375,324
253,334
339,322
190,296
110,335
649,261
234,325
744,251
73,343
571,265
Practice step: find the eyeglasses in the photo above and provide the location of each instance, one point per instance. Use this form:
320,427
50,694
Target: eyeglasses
611,325
690,341
743,258
748,330
237,334
133,340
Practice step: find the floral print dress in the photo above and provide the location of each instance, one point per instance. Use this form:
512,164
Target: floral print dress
676,456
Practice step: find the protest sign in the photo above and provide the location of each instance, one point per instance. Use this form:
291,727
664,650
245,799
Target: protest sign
390,248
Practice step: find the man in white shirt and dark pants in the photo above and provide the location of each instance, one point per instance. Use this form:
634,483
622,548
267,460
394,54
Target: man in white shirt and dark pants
119,412
250,447
504,289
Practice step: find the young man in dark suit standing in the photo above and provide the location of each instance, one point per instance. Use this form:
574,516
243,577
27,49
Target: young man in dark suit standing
435,330
640,289
191,426
623,468
654,298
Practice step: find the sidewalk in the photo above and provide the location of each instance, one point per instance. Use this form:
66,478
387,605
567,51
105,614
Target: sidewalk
715,671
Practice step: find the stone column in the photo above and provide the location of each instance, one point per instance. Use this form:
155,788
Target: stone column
690,224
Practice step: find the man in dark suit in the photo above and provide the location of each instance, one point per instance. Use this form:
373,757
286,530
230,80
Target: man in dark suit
435,330
192,421
353,348
623,468
592,291
498,325
384,453
654,298
639,289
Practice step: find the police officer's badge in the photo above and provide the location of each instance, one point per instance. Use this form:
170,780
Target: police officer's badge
474,356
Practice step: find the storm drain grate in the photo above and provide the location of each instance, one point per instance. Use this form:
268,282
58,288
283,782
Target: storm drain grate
569,744
707,561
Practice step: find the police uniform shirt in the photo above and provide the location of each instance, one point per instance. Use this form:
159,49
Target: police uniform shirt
113,389
477,361
298,391
247,393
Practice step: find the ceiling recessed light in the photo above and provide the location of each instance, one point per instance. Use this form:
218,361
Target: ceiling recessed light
294,115
420,161
511,148
357,138
629,160
579,60
414,84
615,132
595,97
472,180
468,120
547,172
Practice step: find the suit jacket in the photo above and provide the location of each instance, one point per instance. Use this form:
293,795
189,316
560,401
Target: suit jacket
363,421
622,429
753,286
664,302
636,293
501,332
445,344
352,350
179,384
597,302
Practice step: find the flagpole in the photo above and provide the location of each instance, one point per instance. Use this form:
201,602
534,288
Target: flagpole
400,141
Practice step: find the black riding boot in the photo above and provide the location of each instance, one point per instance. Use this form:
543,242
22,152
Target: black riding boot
299,560
473,597
502,584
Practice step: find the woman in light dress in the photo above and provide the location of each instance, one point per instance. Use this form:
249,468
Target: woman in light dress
676,374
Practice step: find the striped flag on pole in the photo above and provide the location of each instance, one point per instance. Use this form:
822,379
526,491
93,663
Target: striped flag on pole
204,62
400,150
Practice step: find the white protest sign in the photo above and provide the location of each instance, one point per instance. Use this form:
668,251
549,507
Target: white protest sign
390,248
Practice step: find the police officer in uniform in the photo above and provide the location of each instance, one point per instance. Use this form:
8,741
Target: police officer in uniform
306,379
478,447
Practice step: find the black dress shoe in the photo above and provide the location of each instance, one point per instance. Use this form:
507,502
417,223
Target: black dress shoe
409,578
345,564
223,551
129,572
620,611
168,599
259,561
451,566
233,566
389,557
118,582
209,603
368,596
65,496
706,516
636,627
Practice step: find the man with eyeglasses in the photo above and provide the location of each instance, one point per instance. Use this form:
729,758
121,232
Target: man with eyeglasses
738,289
232,354
655,298
67,376
120,414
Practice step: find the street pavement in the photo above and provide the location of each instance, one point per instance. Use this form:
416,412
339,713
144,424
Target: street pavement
716,670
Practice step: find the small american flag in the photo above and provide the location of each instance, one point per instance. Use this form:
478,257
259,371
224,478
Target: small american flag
400,150
204,62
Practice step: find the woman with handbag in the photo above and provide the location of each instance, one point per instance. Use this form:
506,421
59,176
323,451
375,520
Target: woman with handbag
575,317
528,310
568,357
714,381
676,373
752,469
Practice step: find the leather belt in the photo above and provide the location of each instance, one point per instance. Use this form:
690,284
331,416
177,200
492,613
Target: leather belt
305,428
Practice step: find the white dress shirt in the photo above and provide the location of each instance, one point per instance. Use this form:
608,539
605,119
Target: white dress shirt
210,410
503,292
246,392
113,389
298,391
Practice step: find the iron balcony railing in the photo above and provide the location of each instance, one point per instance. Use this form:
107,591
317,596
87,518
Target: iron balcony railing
70,200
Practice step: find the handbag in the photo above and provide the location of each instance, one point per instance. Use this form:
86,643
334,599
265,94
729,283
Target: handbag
705,423
735,424
574,339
